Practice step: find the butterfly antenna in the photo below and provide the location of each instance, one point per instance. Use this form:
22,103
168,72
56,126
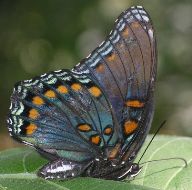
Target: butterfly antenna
164,159
162,124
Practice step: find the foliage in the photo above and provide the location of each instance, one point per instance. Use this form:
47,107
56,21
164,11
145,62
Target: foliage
18,167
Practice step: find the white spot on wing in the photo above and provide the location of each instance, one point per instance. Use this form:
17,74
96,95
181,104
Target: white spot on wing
11,106
122,26
19,111
116,39
105,46
101,43
145,18
43,75
107,51
142,12
95,62
60,169
52,81
35,82
150,32
58,71
138,16
88,56
134,11
80,72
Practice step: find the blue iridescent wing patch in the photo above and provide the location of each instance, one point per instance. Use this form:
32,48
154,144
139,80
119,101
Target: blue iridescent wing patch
92,120
59,112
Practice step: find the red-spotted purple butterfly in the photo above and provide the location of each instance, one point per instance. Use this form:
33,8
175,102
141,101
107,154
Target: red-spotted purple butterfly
92,120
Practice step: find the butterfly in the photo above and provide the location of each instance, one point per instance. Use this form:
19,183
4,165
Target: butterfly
92,120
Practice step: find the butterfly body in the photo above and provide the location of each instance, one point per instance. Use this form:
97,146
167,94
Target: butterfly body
97,168
92,120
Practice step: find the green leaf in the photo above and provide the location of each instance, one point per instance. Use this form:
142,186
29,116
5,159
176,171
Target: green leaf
168,174
18,169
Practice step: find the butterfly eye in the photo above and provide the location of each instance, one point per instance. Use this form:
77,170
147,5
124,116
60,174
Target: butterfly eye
135,167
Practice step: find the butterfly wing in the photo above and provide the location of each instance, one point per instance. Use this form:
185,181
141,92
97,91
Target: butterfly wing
104,100
124,65
62,114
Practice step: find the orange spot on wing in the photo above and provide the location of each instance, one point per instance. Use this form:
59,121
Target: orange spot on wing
125,32
95,91
84,127
100,68
30,129
95,139
50,94
62,89
135,25
134,103
76,87
111,57
130,126
33,114
114,151
37,100
108,131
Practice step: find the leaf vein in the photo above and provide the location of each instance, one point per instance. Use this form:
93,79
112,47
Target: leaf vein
175,174
157,150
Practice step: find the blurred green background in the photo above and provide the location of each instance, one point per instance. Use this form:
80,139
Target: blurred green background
41,36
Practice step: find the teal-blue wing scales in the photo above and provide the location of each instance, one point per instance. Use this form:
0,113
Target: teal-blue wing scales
62,114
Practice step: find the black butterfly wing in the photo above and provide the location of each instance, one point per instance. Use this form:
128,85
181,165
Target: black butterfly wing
124,66
140,105
62,114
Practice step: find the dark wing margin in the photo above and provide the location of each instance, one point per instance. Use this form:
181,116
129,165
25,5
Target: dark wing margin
142,114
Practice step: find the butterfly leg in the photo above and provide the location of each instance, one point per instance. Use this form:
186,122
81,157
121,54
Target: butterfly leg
119,172
62,169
